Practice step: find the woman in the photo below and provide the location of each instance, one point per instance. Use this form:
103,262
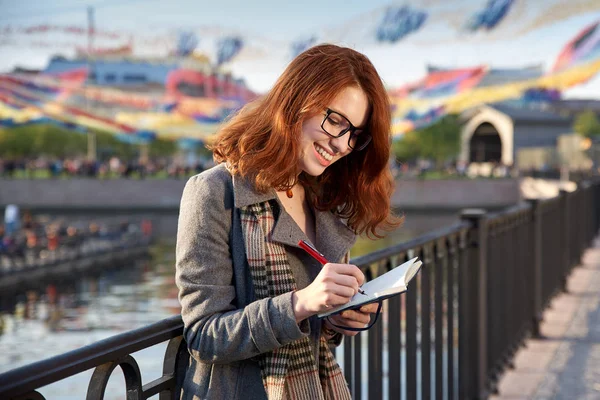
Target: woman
307,161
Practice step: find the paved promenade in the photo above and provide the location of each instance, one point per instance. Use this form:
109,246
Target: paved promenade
565,363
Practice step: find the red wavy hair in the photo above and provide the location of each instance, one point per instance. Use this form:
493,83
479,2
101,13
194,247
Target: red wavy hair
261,142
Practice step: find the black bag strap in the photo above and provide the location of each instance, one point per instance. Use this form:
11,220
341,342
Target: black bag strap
349,328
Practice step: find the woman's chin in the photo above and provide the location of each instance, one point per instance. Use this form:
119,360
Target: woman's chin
315,171
315,167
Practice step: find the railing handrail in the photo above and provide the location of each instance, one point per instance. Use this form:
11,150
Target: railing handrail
432,236
512,210
137,339
53,369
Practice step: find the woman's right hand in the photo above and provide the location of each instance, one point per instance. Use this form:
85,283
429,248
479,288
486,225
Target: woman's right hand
335,285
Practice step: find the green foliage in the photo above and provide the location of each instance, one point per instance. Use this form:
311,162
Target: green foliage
162,148
39,139
407,147
439,142
107,145
51,140
586,124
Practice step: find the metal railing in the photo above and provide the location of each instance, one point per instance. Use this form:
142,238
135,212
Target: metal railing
424,321
484,284
105,355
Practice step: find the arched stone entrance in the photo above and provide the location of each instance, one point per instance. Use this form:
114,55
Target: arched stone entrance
485,144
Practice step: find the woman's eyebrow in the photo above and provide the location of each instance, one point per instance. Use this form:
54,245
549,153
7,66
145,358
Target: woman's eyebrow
362,127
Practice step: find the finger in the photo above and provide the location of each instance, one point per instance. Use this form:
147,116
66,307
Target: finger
342,291
333,299
349,269
341,321
358,274
347,281
352,315
369,308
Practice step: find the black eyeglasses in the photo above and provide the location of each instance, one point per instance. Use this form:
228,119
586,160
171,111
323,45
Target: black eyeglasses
336,125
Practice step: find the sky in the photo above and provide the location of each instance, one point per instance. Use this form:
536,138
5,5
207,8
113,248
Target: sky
280,22
281,19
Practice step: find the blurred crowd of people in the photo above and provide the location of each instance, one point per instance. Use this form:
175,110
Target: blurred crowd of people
114,167
28,241
423,167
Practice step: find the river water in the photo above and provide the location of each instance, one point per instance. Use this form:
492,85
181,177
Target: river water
123,298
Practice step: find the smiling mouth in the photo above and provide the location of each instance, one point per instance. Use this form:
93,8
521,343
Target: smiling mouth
323,153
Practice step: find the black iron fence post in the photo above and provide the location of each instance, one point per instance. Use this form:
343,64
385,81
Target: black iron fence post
465,324
588,214
566,238
597,205
476,311
596,201
536,241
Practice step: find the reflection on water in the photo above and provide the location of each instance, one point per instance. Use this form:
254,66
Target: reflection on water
63,316
416,223
66,315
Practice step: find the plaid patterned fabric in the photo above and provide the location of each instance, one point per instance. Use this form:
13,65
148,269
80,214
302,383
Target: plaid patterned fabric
289,372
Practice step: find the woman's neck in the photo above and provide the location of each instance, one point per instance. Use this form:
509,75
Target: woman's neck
298,208
293,195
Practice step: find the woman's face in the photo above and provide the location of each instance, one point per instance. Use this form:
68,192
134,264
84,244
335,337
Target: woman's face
319,150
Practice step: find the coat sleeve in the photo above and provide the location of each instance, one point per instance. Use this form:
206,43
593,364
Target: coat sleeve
214,330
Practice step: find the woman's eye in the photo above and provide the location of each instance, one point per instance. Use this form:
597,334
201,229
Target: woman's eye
333,121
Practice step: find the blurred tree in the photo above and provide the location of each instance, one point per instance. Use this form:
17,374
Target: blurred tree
14,142
407,147
586,124
113,147
55,141
439,142
162,148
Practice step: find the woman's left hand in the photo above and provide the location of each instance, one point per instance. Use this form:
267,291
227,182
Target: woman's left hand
352,318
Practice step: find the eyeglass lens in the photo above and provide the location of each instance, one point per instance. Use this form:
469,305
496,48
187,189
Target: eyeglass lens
337,125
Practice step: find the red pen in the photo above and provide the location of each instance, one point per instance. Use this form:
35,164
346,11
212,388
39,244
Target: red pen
310,249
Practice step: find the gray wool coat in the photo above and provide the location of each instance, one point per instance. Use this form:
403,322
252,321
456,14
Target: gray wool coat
225,327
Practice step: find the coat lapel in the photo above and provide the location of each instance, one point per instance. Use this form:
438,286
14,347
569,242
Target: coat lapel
334,238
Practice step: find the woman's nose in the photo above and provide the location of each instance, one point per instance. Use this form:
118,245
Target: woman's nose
340,144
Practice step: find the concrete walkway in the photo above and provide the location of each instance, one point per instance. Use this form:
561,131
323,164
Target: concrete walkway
565,363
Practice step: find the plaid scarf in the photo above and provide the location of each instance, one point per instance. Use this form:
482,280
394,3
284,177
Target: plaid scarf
289,372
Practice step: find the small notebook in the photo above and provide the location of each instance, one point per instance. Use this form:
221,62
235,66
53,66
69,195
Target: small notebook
385,286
